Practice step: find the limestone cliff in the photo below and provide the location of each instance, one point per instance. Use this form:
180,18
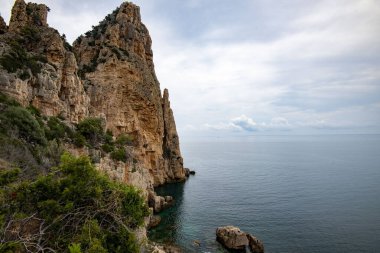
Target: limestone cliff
3,26
108,73
41,71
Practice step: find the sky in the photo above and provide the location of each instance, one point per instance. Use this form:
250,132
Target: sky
255,67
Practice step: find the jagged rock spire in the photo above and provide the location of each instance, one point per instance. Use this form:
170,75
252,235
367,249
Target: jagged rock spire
171,141
30,14
3,26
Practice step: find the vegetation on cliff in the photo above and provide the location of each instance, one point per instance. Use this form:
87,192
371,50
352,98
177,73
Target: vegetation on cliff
71,205
54,201
107,73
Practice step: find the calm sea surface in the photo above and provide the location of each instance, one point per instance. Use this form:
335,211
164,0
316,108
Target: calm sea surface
296,193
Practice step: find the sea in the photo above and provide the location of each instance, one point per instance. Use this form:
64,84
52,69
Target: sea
298,194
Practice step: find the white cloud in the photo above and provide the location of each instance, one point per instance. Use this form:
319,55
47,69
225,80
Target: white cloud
316,67
245,123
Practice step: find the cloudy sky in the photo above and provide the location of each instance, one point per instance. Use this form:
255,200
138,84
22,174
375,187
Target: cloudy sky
252,67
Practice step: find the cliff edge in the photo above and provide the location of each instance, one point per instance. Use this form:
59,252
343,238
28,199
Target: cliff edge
109,74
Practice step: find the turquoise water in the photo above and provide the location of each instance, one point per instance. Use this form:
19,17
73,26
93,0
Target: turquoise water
296,193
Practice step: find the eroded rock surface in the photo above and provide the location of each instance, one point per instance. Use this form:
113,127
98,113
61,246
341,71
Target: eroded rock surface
27,14
3,26
255,244
116,64
109,74
232,237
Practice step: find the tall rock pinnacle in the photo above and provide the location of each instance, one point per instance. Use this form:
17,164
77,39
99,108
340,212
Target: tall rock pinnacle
27,14
108,73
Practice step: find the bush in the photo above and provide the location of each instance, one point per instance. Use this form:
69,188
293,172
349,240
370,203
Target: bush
22,124
4,99
124,139
79,210
8,176
18,58
57,129
119,154
75,248
17,153
108,148
92,130
30,35
79,140
34,111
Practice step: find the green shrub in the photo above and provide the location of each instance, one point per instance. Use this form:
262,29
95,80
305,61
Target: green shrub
108,148
22,123
124,139
12,62
4,99
30,35
10,247
24,75
108,137
33,110
57,129
78,206
17,153
79,140
75,248
92,130
18,58
9,176
119,154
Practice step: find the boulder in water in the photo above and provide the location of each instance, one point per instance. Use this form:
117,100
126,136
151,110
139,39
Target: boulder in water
255,244
232,237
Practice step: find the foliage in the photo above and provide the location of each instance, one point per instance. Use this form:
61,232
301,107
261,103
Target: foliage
124,139
23,139
108,148
30,35
91,67
9,176
67,45
108,137
75,248
4,99
34,111
21,123
57,129
92,130
79,140
18,58
119,154
72,209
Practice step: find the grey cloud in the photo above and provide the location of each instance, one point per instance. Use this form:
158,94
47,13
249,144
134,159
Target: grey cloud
290,64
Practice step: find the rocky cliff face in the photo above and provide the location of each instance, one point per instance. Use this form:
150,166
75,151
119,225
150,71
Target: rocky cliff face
3,26
108,73
27,14
40,70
